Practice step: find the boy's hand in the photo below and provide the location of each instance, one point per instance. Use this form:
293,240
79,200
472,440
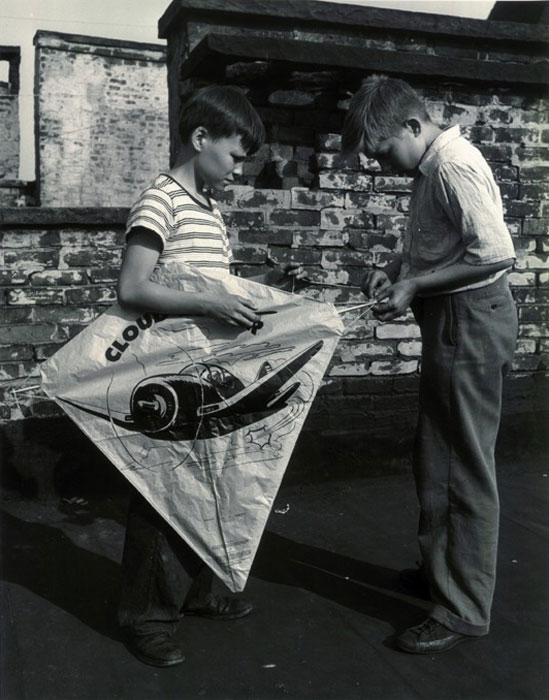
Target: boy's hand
374,283
394,300
287,272
233,310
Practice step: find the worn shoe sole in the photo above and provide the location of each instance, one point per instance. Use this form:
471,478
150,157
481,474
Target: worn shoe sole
219,616
156,662
449,645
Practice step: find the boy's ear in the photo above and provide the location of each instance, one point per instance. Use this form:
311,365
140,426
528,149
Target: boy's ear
413,125
198,136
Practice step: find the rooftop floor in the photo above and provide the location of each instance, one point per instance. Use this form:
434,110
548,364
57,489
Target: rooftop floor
325,596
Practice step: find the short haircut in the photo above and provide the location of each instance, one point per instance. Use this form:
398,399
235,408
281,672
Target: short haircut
224,111
377,111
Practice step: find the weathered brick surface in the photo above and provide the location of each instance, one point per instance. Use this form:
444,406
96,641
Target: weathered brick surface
298,200
9,119
102,119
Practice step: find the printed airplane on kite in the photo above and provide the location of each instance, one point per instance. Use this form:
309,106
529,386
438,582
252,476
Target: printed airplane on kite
206,400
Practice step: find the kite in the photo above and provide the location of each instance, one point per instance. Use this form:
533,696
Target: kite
199,416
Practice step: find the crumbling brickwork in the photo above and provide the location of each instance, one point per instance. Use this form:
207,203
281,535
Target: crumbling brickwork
102,129
9,124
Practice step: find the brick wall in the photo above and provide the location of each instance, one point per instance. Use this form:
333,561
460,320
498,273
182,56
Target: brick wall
9,115
298,200
102,129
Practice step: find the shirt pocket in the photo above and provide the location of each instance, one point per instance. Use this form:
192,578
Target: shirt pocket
430,243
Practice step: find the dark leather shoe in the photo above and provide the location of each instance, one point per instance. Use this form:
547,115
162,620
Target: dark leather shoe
430,637
218,608
156,649
414,582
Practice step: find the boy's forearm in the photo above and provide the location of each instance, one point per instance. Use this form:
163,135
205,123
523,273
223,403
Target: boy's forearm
152,297
455,276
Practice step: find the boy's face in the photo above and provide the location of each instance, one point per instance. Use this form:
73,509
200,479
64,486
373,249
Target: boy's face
219,160
401,152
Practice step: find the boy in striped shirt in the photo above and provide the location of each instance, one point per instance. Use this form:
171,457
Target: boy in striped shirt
176,220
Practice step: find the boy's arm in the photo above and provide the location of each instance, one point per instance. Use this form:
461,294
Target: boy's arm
136,290
281,275
377,280
395,300
467,193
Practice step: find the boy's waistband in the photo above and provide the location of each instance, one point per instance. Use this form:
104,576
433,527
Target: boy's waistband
477,292
488,290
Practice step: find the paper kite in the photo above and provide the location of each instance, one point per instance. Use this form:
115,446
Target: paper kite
199,416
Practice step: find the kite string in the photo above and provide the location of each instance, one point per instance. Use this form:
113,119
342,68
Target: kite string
357,319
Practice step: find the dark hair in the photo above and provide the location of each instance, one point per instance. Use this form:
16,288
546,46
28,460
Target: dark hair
377,111
224,111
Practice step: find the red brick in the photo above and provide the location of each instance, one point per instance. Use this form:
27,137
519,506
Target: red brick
279,236
304,256
516,208
89,257
301,217
29,239
90,295
36,296
57,277
345,258
22,333
28,259
510,135
14,353
241,219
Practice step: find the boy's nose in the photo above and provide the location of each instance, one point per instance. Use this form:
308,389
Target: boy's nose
237,170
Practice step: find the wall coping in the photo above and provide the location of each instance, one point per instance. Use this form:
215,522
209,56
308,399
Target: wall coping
7,52
50,216
85,44
342,14
215,51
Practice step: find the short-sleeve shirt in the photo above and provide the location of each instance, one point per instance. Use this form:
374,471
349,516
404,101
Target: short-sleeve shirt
190,231
456,213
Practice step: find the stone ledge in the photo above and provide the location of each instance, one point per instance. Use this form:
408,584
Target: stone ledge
47,216
91,44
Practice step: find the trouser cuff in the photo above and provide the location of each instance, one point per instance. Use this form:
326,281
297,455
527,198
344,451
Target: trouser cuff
456,624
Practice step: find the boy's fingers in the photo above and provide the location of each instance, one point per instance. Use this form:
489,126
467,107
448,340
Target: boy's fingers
382,294
247,303
294,270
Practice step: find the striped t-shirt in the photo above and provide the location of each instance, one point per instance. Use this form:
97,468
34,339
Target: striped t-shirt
191,232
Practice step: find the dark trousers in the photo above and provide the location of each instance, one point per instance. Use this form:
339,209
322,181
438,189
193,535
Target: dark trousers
468,344
159,572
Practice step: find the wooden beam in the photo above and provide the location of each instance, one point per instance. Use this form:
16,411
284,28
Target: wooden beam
215,51
330,15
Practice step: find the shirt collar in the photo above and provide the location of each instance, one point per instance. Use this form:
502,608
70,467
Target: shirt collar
432,154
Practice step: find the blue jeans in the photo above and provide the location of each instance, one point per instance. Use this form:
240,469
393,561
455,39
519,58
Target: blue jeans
468,344
159,572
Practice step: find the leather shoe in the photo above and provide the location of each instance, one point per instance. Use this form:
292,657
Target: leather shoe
216,607
430,637
157,649
414,582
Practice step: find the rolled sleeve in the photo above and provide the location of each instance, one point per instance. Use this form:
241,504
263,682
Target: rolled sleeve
471,199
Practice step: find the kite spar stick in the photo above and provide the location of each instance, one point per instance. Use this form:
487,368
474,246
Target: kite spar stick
366,305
